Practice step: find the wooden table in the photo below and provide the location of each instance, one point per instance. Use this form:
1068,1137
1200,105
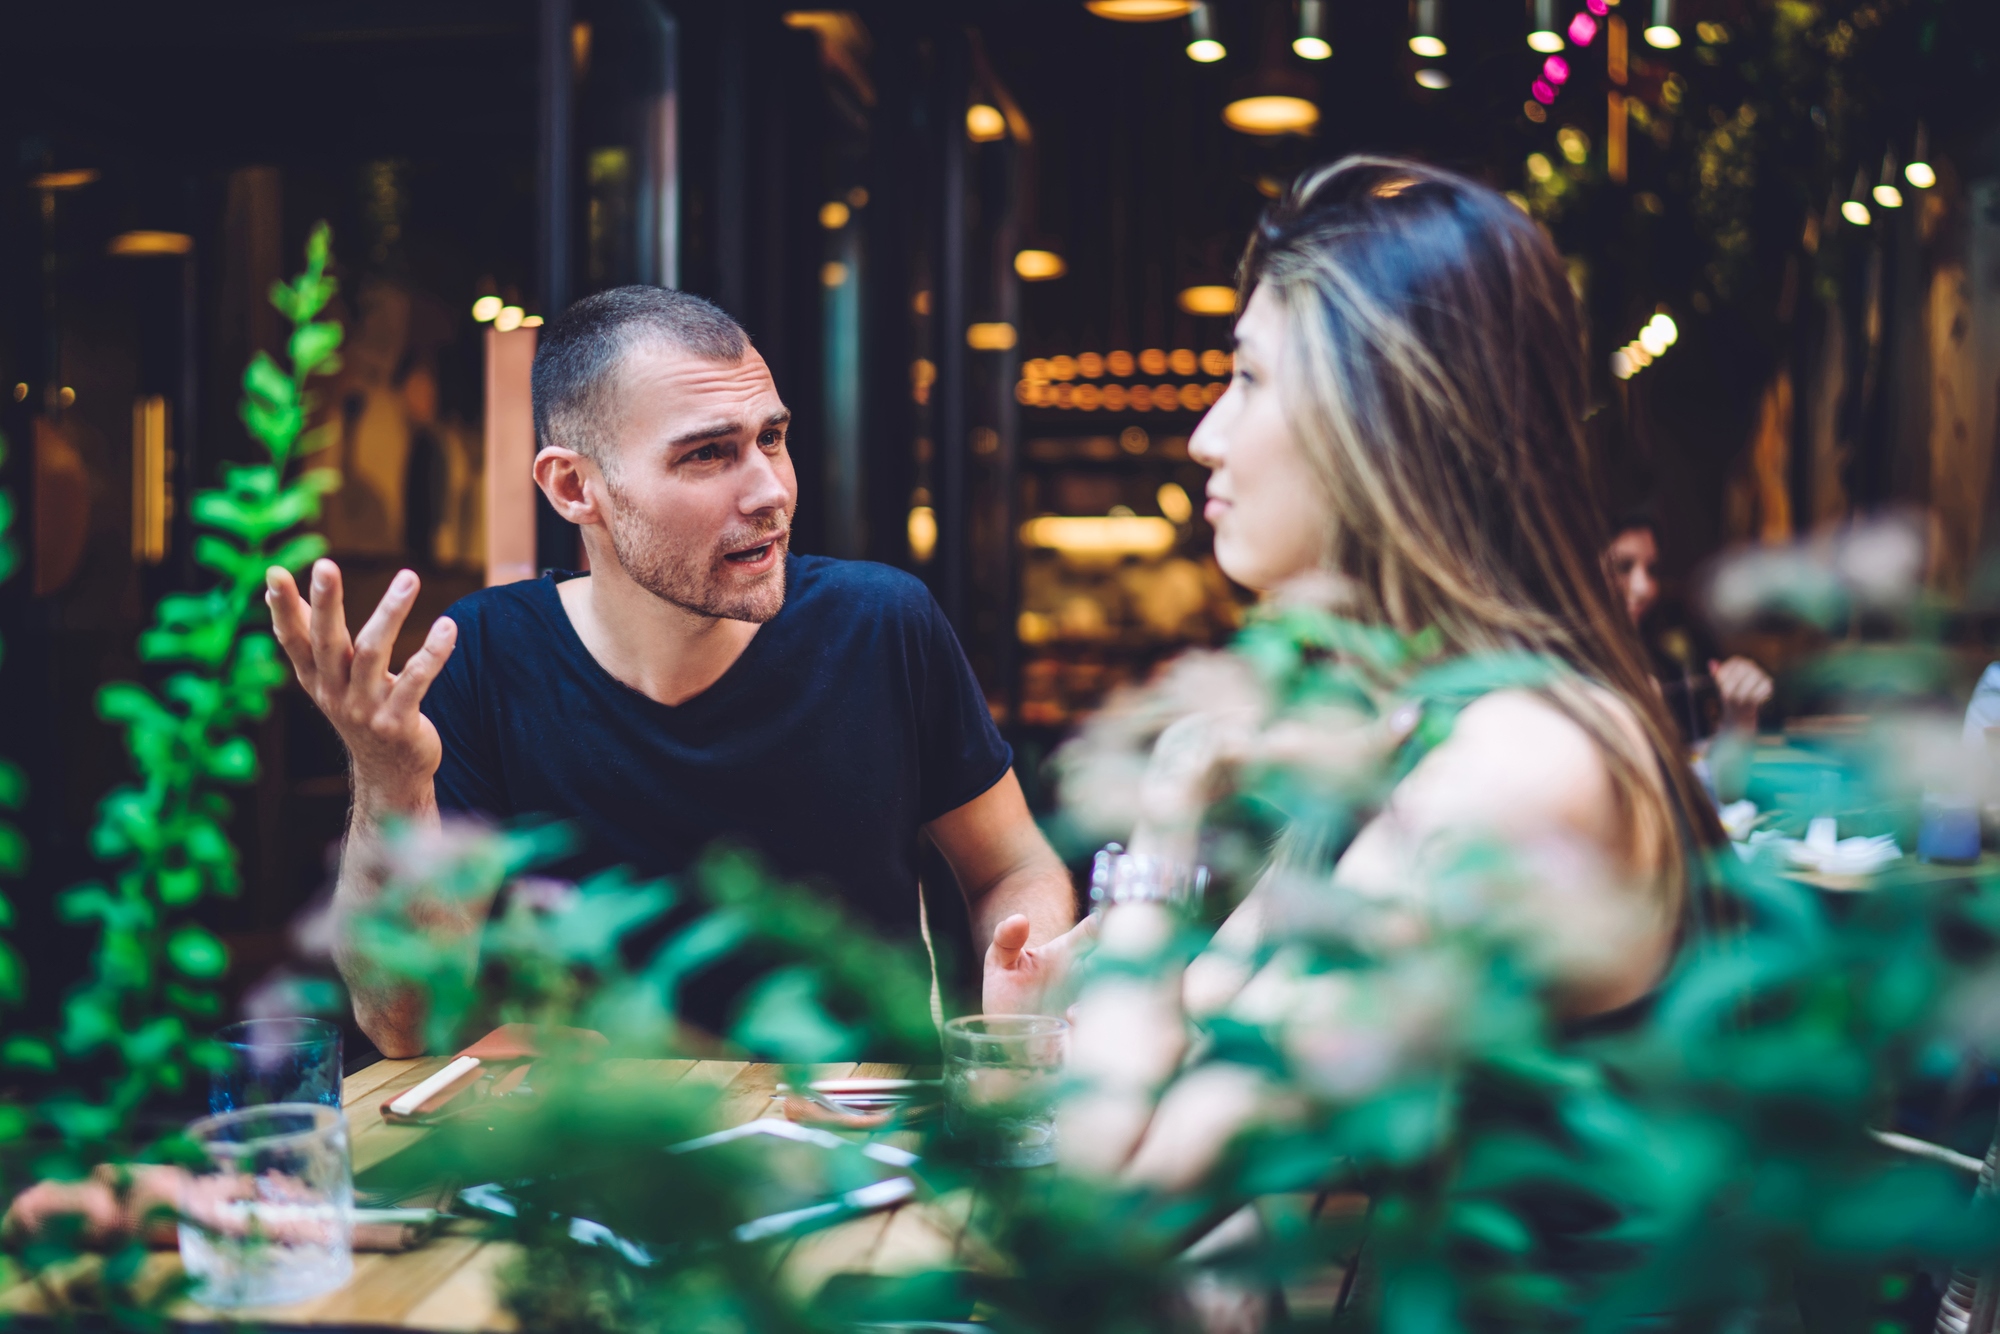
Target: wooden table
451,1282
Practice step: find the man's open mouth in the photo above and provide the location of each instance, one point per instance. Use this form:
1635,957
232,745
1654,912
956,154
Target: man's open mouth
751,555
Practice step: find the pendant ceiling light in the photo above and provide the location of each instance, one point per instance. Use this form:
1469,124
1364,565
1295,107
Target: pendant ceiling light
1661,32
1542,34
1280,98
1203,47
1885,192
1920,172
1311,43
1140,11
1427,28
1853,209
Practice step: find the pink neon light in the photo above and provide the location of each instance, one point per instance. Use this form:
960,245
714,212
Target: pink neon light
1597,7
1544,94
1582,29
1556,70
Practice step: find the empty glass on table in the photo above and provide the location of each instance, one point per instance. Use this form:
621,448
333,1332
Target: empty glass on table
268,1217
1002,1073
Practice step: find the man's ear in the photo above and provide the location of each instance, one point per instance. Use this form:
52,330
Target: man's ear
571,482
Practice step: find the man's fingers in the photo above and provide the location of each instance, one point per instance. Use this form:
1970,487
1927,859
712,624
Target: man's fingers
423,667
1009,939
289,622
327,626
378,636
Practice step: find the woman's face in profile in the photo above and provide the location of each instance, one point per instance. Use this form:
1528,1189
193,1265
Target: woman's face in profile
1264,501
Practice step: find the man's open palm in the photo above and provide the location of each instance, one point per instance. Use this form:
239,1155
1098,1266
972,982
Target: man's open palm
376,711
1028,979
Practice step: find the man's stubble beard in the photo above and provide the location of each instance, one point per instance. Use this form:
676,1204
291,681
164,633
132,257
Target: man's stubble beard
690,579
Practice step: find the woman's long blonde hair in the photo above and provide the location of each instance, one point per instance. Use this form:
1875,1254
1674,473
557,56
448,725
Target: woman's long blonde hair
1438,392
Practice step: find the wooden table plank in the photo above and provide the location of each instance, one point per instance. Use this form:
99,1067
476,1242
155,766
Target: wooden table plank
366,1080
469,1300
818,1256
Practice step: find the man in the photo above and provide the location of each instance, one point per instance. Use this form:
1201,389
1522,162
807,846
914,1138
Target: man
1741,686
699,683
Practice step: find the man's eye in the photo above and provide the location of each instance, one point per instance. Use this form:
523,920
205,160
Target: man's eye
706,454
771,438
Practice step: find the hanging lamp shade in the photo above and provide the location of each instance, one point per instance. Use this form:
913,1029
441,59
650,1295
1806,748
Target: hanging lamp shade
1140,11
1427,28
1661,32
1542,33
1280,98
1312,43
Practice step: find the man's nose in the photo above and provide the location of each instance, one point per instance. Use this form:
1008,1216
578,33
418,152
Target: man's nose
764,485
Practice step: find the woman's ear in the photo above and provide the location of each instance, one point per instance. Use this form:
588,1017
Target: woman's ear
563,475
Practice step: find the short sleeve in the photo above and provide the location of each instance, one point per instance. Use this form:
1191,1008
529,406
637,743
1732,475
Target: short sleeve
468,778
961,752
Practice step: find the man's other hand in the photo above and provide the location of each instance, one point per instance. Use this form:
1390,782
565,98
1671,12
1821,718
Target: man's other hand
395,749
1028,979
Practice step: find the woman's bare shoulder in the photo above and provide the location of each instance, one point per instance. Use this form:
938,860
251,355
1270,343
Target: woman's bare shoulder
1515,763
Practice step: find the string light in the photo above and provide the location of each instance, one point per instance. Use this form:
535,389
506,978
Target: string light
1038,266
984,124
486,308
1583,29
1659,334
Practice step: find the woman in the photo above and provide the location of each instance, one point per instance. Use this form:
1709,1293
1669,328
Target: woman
1404,427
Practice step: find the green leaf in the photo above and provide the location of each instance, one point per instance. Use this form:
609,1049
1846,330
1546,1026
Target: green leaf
263,381
27,1053
179,885
197,953
13,851
234,761
312,344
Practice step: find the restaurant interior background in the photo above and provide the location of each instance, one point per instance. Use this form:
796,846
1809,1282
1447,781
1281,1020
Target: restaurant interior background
987,249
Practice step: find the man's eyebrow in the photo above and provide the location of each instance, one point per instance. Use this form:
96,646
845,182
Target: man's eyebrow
723,429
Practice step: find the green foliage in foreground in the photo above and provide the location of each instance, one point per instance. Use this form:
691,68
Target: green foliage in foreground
132,1029
1704,1164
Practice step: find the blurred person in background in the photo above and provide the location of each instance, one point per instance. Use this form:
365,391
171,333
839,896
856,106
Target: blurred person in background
1716,710
1404,429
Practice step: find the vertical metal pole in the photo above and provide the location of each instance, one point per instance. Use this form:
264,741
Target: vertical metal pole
555,538
731,170
949,303
1007,415
552,159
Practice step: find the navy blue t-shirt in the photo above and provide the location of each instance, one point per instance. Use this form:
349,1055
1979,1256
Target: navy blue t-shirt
850,720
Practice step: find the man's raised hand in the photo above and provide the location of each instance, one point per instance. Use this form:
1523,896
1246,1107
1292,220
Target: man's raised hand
394,748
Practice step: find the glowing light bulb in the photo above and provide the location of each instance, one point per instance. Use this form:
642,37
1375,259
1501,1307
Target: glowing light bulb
1888,196
1653,341
1312,48
1668,330
1622,366
1427,46
509,318
1545,41
1920,175
1556,70
1582,29
1856,212
1206,51
984,124
1432,78
1662,36
1544,92
486,308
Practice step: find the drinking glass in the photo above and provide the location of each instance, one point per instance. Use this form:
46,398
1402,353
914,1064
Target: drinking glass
1002,1073
268,1218
277,1060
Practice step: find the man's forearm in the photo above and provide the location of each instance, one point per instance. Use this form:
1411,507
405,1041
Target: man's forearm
390,1013
1039,889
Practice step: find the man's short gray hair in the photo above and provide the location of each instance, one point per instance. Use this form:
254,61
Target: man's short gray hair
580,350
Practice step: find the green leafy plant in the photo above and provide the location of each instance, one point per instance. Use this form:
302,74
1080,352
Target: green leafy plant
133,1023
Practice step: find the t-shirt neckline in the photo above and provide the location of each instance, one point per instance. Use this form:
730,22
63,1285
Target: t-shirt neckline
718,689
